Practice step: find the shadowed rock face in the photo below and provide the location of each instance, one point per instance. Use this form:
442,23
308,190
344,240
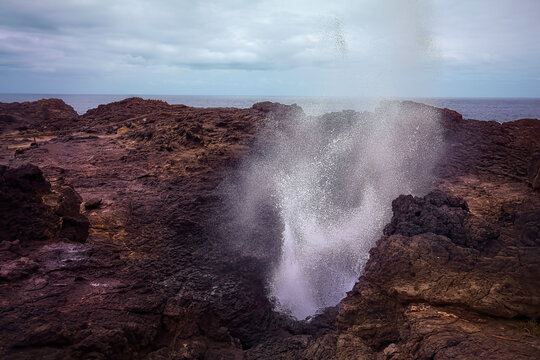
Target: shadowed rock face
454,275
440,214
32,213
31,210
24,213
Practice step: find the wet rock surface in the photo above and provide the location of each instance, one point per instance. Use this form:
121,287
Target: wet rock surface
455,274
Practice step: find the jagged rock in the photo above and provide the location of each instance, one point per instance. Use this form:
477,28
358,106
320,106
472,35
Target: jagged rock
23,215
156,280
419,261
458,268
31,210
120,111
278,110
42,115
440,214
150,244
74,224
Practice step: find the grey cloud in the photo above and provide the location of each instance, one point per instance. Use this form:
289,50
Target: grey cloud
186,32
383,43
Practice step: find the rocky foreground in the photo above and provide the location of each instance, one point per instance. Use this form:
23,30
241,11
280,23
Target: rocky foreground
109,246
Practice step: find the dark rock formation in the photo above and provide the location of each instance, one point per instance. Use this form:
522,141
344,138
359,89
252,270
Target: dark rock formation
24,215
74,225
457,270
440,214
30,211
416,276
123,110
277,110
152,280
43,115
33,215
455,274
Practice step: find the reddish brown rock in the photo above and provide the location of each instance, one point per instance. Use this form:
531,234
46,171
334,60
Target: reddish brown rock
108,114
30,210
454,276
44,115
457,270
151,261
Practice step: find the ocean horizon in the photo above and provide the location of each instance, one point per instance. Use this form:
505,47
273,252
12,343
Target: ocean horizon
487,109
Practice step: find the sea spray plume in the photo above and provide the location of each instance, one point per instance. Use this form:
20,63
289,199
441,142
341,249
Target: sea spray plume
323,187
333,34
390,50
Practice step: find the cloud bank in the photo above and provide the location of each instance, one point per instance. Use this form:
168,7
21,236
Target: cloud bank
265,47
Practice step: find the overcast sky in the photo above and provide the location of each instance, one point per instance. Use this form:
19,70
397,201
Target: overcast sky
248,47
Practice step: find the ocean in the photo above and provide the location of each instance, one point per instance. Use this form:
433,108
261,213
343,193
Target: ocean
497,109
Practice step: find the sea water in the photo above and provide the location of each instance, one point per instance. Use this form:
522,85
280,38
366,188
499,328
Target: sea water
497,109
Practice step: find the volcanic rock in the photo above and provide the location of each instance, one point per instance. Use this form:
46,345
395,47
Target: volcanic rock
455,274
32,210
457,269
92,204
42,115
152,261
23,214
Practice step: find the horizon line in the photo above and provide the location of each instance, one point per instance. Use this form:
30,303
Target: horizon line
282,96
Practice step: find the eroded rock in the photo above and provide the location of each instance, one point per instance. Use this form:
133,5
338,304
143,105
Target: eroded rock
453,275
42,115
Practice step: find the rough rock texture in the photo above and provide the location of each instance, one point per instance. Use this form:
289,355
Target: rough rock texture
455,274
457,271
92,204
123,110
410,272
43,115
31,211
152,280
24,215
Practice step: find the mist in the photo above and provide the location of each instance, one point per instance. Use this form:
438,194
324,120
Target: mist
316,192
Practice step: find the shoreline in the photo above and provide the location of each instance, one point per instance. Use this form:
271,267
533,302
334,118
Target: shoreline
473,108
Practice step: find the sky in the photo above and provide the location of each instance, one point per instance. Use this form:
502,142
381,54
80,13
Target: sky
409,48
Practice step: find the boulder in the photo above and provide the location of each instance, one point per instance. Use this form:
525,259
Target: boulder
92,204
